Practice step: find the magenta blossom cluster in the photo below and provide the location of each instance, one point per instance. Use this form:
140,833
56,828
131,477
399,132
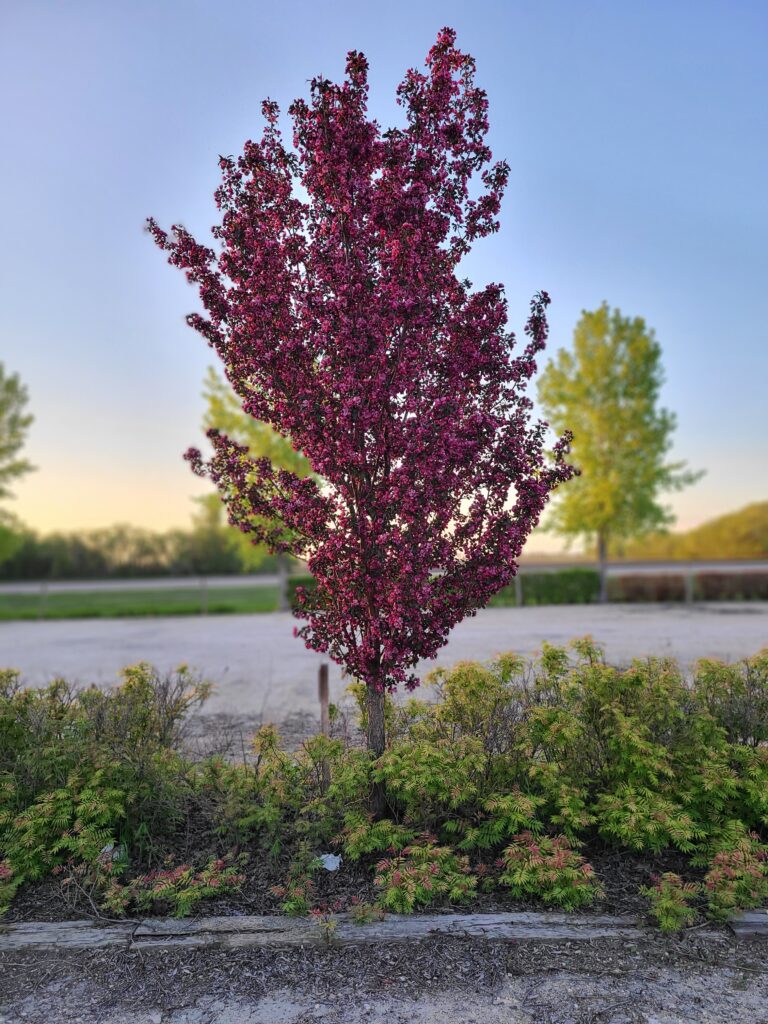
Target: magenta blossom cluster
334,302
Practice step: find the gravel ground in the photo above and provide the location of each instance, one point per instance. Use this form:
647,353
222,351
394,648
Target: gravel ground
705,977
261,670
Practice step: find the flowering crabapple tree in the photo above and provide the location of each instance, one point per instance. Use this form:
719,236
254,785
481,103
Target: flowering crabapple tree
341,321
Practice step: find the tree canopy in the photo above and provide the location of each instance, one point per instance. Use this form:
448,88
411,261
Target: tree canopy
606,388
223,412
334,301
14,424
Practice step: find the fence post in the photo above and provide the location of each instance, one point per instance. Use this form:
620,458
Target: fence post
518,589
322,693
204,595
283,604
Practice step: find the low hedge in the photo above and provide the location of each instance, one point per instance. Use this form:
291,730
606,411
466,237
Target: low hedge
707,586
560,586
637,589
743,586
582,586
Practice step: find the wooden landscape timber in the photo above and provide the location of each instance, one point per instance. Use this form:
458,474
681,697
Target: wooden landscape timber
750,924
336,930
274,931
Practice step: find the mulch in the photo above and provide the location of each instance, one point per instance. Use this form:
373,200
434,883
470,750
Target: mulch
621,874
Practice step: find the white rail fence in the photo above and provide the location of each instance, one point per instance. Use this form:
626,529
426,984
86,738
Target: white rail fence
687,571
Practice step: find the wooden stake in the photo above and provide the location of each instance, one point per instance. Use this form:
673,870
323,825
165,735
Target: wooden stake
325,721
322,693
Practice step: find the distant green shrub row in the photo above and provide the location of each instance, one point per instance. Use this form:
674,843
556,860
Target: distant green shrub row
562,586
118,552
582,586
500,781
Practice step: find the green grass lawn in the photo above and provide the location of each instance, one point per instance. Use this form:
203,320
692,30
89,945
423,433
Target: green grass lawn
115,603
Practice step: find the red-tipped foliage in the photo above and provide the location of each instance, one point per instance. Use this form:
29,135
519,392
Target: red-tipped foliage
340,319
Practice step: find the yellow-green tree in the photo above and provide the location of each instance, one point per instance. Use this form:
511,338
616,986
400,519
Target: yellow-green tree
606,390
14,424
223,411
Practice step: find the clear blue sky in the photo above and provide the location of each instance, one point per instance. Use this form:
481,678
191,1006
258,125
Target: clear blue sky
637,133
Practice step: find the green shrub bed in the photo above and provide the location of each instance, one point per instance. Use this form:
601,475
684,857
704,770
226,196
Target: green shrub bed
507,783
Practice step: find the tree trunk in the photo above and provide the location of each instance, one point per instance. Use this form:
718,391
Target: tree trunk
375,700
282,583
602,557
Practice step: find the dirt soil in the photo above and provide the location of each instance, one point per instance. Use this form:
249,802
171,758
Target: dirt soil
704,977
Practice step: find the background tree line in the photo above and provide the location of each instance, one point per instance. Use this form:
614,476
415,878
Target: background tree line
606,388
209,547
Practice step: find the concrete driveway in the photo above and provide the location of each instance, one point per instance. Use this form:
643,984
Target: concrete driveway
259,667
